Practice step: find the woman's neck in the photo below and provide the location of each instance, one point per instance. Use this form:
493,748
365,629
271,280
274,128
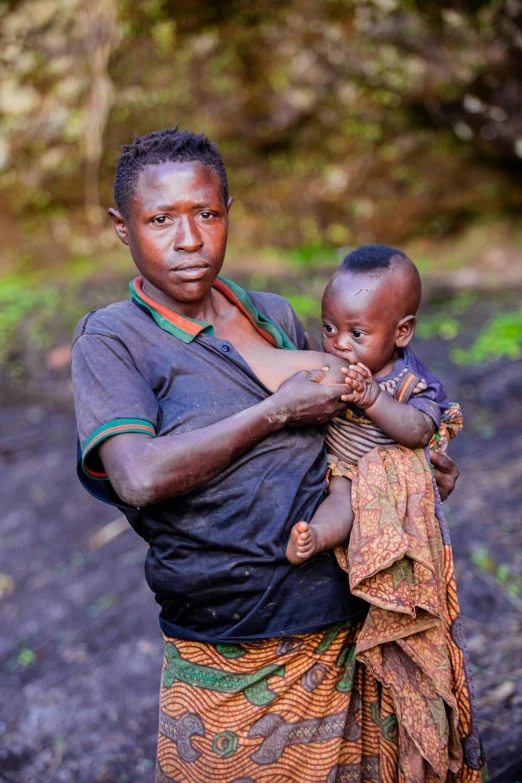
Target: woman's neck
206,309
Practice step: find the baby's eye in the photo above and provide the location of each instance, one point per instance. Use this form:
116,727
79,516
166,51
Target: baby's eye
328,328
356,333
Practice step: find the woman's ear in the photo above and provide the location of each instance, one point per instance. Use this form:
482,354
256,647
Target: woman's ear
120,226
405,330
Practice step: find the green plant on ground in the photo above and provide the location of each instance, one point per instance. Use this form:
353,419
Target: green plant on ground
440,325
445,322
505,579
501,337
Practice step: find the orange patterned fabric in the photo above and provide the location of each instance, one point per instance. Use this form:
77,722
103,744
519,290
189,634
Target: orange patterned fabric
450,426
399,559
290,710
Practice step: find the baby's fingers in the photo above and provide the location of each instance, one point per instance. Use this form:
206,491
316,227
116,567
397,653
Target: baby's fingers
363,369
355,383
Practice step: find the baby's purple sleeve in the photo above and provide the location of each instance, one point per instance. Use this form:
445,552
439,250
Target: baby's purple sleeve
429,396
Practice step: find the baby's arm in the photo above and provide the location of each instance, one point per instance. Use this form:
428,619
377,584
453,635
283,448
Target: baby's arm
404,423
330,525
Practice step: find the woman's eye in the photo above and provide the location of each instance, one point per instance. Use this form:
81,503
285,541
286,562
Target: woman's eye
160,220
206,215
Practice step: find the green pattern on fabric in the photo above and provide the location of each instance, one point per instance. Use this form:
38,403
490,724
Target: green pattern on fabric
231,650
331,634
225,744
390,728
346,661
253,686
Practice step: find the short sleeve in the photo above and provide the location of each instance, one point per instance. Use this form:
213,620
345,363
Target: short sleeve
111,397
429,396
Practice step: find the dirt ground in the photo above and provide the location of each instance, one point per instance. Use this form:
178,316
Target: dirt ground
80,647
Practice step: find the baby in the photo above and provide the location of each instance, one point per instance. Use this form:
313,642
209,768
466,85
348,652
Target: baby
398,557
369,315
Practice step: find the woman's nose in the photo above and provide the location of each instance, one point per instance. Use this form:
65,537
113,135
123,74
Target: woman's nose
188,237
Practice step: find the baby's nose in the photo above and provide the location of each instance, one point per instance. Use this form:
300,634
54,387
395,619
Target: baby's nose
343,344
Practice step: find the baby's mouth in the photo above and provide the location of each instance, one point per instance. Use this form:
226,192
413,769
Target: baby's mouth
345,356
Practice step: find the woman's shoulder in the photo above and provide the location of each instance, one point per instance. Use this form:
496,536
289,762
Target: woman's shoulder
110,321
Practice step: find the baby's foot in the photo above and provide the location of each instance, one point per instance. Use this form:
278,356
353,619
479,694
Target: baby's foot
303,543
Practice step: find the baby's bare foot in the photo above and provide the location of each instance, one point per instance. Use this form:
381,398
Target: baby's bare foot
303,543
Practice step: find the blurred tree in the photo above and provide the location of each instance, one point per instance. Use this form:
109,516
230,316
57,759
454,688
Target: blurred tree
339,120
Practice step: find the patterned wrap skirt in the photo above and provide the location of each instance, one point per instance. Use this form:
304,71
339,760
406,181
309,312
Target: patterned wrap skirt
290,710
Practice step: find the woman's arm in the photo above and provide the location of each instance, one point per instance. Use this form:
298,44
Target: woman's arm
143,471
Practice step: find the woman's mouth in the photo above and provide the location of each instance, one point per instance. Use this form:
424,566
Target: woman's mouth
191,271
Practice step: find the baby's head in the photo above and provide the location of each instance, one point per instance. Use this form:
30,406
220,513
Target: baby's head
369,307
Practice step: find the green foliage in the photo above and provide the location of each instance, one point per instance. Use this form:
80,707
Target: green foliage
506,579
500,338
28,307
316,110
305,306
445,321
103,603
439,325
313,255
25,657
35,315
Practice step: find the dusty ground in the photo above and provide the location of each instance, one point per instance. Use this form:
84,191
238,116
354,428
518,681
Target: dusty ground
80,648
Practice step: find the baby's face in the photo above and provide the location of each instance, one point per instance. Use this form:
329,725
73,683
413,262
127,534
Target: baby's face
360,314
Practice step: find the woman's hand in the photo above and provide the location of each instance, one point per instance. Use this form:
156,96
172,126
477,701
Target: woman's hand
303,400
446,473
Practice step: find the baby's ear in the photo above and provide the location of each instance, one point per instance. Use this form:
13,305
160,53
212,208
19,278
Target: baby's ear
405,330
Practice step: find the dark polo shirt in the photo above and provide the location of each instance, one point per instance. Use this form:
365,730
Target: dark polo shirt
216,560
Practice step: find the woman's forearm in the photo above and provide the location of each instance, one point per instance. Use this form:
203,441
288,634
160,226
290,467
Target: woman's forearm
145,471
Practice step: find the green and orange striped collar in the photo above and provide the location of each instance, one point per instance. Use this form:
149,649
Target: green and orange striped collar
187,329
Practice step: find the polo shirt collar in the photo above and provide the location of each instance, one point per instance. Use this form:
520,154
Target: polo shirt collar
187,329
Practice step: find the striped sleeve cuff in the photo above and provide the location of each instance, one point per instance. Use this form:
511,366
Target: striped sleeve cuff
92,466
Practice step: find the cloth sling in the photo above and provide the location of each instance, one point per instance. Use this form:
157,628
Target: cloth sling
399,559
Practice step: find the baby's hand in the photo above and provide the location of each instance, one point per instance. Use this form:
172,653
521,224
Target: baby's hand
364,388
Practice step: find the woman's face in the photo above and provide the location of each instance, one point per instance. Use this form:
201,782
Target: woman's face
177,229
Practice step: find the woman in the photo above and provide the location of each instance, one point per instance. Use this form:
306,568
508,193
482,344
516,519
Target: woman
260,681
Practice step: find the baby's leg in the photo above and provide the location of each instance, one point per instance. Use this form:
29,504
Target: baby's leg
330,525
